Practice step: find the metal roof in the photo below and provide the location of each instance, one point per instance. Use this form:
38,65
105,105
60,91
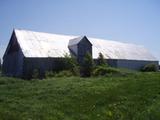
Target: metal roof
38,44
75,41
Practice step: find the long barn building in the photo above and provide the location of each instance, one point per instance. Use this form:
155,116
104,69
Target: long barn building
28,50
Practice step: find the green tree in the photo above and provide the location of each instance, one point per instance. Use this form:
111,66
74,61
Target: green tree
101,61
150,68
87,65
71,64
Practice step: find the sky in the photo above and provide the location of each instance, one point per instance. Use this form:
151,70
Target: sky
131,21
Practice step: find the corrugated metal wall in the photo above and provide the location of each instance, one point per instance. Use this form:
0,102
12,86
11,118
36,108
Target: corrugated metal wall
83,47
13,64
134,64
42,65
13,59
129,64
112,62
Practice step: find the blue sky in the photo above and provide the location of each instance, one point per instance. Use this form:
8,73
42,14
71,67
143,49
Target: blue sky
133,21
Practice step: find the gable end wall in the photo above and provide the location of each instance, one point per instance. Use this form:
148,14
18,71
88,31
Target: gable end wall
13,62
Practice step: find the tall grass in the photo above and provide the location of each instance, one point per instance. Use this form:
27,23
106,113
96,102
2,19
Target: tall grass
132,97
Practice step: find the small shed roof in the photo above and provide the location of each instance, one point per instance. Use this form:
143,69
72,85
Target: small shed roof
38,44
75,41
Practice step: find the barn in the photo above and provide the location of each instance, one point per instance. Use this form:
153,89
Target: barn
29,50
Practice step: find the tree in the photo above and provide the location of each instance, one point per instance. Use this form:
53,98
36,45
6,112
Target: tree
101,61
71,64
87,65
151,67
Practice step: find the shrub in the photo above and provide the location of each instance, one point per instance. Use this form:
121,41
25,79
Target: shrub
103,71
75,71
35,74
49,74
87,65
113,70
150,68
71,64
100,71
64,73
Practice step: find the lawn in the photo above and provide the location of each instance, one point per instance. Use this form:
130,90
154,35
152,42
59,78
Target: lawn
131,97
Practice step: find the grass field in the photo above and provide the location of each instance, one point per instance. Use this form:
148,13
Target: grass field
131,97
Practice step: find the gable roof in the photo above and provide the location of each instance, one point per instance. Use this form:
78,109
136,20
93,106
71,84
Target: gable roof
75,41
38,44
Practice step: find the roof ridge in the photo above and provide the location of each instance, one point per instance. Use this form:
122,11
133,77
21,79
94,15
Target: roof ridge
40,32
127,43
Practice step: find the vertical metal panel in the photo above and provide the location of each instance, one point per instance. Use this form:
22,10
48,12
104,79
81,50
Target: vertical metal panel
129,64
13,64
134,64
112,62
13,59
84,46
42,65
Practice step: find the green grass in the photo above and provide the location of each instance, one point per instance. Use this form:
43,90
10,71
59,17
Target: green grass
132,97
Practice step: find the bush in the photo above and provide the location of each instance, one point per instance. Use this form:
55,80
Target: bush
49,74
35,74
103,71
71,64
150,68
87,65
100,71
64,73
